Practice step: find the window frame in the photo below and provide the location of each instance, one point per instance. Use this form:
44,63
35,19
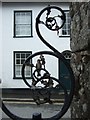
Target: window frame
25,36
62,27
14,60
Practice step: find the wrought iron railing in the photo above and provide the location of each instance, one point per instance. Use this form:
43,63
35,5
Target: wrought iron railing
42,82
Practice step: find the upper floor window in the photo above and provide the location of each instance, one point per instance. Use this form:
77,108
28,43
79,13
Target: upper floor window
66,27
22,23
19,58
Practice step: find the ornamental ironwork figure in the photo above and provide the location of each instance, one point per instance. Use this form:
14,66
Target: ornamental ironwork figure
38,67
42,60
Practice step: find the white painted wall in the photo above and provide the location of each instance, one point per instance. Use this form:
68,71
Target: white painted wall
0,55
0,43
10,44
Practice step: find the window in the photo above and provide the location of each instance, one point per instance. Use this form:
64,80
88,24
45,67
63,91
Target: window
22,23
66,27
19,58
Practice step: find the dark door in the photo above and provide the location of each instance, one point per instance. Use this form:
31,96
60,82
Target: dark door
64,74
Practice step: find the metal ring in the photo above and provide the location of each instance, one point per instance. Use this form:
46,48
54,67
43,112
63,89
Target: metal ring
68,98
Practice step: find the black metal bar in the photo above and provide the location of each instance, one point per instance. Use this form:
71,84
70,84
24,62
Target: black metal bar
36,116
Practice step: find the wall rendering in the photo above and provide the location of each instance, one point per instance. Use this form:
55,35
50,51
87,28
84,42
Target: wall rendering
11,44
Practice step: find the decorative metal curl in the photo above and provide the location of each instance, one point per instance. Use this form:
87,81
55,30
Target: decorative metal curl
52,24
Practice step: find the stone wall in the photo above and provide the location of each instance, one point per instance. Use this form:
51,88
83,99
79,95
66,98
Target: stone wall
80,46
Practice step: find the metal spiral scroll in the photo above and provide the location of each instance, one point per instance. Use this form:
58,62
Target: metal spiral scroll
41,75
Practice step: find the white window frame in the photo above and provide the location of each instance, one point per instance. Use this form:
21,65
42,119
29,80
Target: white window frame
65,30
23,23
18,62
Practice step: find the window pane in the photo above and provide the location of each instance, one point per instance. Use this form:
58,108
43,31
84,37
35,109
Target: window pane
28,71
66,27
27,55
22,55
28,62
69,32
17,17
17,30
64,32
17,61
23,30
17,73
17,70
17,67
17,55
22,61
23,17
28,68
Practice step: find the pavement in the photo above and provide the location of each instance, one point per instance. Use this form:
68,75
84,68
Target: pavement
26,109
23,106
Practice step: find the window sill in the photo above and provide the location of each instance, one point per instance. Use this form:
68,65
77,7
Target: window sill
64,36
22,36
20,78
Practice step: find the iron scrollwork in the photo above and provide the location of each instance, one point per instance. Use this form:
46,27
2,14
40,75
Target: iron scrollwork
42,82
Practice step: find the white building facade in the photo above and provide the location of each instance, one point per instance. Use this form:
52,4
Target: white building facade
19,39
